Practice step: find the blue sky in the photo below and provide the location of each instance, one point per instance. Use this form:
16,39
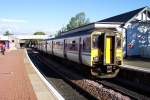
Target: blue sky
28,16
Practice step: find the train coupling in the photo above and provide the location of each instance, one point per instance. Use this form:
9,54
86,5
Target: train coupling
109,69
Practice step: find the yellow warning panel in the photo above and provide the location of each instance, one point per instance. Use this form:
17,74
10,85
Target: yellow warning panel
108,50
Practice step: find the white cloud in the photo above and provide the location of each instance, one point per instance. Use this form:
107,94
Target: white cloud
13,25
13,20
8,27
18,26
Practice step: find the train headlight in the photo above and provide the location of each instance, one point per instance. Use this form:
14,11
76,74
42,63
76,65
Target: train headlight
118,58
96,59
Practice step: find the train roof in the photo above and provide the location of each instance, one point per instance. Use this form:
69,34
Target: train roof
86,29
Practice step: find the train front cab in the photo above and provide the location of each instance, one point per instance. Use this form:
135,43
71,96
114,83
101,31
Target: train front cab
106,55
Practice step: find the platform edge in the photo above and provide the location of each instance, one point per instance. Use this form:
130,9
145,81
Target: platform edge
50,87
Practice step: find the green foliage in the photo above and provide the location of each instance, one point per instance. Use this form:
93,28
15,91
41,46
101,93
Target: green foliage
77,21
39,33
7,33
63,29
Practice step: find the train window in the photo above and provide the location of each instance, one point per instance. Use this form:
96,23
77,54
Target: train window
61,45
118,41
86,44
95,41
54,44
58,45
72,45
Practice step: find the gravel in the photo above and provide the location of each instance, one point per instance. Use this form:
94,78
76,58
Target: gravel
93,88
67,91
99,91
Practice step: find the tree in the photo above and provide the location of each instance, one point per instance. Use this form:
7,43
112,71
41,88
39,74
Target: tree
77,21
7,33
39,33
63,29
35,42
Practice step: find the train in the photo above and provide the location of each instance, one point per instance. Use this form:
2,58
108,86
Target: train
97,46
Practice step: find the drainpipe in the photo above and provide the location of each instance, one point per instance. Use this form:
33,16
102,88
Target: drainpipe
122,26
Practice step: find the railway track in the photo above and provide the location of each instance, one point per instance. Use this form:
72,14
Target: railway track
110,89
92,88
56,80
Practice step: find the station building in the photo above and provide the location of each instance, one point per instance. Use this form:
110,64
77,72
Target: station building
135,26
17,41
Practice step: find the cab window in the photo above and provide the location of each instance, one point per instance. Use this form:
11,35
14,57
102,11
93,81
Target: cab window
95,41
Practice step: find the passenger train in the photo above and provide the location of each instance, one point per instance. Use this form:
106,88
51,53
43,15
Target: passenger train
96,45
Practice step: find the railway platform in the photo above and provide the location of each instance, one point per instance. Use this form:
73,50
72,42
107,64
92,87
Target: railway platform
139,64
19,80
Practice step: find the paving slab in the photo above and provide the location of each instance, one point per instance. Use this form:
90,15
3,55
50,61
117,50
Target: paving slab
19,81
14,82
41,90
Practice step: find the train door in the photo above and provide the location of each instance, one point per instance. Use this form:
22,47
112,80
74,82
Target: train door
101,46
109,49
65,48
52,42
46,46
80,50
106,45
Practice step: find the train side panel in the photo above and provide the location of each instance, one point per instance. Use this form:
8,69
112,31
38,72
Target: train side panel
58,48
40,46
49,46
44,46
86,50
72,49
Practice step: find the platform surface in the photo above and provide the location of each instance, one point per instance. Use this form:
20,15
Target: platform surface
140,64
19,81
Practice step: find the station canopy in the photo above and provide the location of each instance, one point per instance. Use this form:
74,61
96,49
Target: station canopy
25,37
4,38
32,37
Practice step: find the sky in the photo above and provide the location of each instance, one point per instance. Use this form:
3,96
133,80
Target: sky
29,16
